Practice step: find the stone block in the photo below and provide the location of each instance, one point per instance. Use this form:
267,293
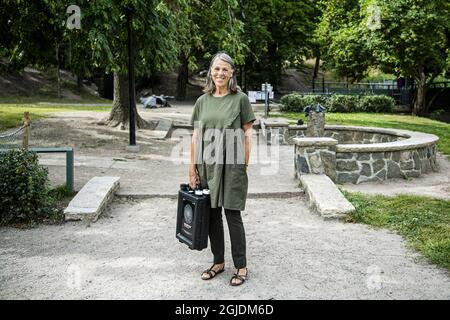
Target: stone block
302,165
92,199
394,170
381,174
324,196
395,156
346,137
378,165
377,155
357,136
407,165
405,155
366,170
315,163
345,177
342,165
416,158
344,155
425,166
363,156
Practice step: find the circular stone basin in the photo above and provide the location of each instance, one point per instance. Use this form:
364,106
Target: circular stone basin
351,154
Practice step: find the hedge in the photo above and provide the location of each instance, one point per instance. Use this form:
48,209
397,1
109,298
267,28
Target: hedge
339,103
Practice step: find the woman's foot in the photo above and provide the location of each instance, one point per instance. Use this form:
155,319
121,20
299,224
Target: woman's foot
213,271
239,277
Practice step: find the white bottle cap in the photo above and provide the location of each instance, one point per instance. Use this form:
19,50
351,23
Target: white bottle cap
198,192
205,191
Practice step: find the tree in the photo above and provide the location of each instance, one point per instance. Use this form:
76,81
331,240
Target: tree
413,40
410,38
104,35
342,39
29,33
277,31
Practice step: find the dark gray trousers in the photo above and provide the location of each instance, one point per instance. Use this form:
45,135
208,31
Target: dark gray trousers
237,236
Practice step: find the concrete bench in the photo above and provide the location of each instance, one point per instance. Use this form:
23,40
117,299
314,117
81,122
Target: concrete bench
92,199
324,196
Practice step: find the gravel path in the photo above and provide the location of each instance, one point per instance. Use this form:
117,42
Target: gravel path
132,253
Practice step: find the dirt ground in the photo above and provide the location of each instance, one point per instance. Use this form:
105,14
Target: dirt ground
131,252
92,142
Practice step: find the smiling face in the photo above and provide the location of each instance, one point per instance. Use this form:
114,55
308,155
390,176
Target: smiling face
221,72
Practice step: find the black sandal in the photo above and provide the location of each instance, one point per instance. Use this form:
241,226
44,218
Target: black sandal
211,272
239,277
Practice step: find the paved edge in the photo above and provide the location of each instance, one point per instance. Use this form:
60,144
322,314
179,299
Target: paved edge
92,199
324,196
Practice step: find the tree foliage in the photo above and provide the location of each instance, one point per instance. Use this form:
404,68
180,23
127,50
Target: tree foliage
277,31
411,39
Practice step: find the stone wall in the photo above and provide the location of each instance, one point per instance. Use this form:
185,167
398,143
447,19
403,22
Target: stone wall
343,136
378,166
315,155
379,155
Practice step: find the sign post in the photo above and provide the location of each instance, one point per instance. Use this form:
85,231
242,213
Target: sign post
268,91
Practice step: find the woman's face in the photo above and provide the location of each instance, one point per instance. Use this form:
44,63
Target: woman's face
221,72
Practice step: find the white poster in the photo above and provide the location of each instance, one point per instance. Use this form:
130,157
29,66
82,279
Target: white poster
252,96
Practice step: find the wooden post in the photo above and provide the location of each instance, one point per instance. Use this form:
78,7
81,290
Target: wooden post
26,130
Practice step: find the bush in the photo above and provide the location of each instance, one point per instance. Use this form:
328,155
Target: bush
376,104
342,103
338,103
24,195
297,102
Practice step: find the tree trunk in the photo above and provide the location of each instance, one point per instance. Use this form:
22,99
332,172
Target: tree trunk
182,79
79,82
119,115
58,75
316,69
419,108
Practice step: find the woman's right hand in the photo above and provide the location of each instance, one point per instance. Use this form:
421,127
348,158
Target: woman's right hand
194,179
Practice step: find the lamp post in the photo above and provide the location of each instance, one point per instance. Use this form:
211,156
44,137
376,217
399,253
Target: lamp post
132,147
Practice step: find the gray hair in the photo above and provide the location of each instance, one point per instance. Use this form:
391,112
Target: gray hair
232,83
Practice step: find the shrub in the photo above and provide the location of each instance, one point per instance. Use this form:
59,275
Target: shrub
297,102
376,103
338,103
24,195
342,103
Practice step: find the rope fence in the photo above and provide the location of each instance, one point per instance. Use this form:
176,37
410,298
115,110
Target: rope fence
18,137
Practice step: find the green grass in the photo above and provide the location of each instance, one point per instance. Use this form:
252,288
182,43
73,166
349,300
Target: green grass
11,115
42,98
406,122
423,221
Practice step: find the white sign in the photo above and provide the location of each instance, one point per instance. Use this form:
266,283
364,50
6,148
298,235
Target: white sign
269,87
252,96
258,95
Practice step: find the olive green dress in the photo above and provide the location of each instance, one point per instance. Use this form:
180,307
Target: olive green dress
221,164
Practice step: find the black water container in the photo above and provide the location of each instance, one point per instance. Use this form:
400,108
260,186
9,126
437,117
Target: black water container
193,218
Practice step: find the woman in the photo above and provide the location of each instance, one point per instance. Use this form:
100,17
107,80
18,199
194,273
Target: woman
220,152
